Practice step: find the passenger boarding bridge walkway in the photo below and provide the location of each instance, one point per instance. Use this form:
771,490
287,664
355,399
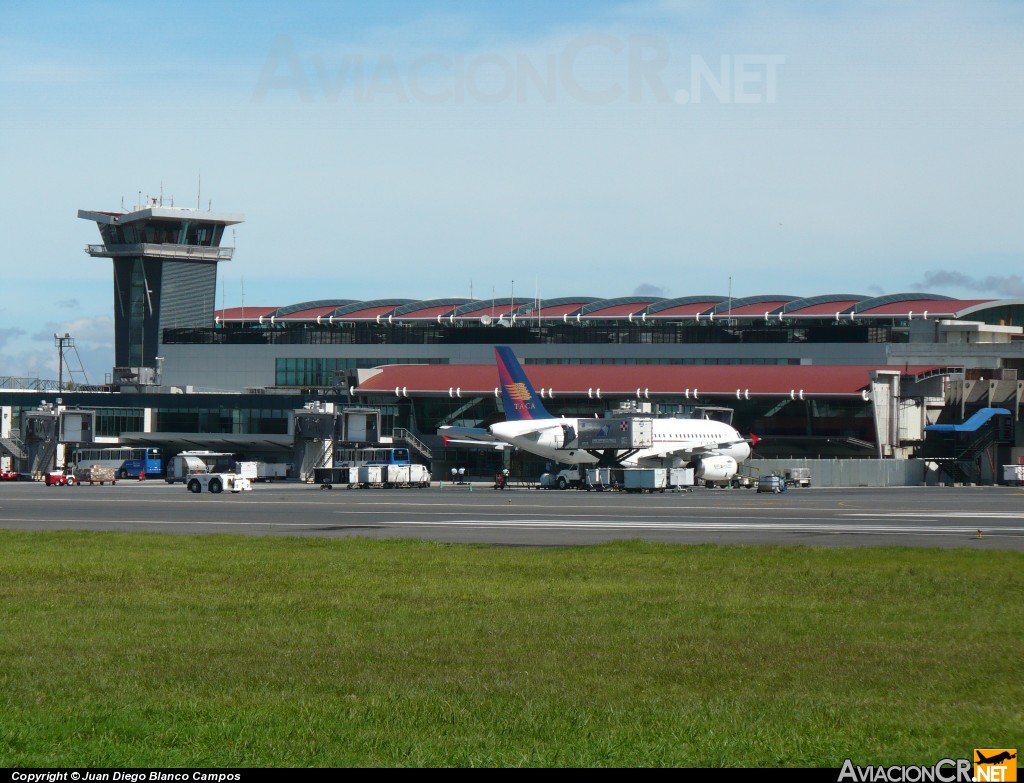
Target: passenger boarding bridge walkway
959,448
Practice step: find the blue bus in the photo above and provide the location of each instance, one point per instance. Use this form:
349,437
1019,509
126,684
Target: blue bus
379,456
126,461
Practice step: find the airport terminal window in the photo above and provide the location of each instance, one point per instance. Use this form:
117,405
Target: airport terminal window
235,421
111,422
309,372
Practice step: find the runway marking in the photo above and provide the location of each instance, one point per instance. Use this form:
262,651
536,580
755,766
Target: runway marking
424,505
943,514
614,515
591,525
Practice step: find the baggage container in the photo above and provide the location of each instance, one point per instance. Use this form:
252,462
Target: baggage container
328,477
604,479
95,474
419,476
645,479
1013,474
370,475
396,475
268,471
680,478
247,470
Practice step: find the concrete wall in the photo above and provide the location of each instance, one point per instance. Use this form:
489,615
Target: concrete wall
852,472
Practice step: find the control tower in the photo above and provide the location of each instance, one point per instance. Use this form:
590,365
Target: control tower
165,276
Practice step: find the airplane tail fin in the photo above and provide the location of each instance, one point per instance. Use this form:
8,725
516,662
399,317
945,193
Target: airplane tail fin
517,393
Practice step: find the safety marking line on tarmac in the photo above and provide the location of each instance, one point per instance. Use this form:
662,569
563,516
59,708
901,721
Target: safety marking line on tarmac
591,525
940,514
744,511
504,515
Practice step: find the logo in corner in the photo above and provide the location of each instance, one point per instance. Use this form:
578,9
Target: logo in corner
995,764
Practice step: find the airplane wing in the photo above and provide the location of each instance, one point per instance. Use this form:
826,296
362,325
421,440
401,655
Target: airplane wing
470,436
704,450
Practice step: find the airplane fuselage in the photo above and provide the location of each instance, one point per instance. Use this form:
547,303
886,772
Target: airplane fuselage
675,441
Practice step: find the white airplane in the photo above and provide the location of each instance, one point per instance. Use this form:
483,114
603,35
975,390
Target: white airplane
713,448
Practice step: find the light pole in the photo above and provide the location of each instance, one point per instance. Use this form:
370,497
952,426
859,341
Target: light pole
67,341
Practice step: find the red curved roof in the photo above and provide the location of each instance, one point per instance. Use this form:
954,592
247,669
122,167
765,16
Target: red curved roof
497,311
429,312
618,310
309,313
759,308
367,313
556,310
684,310
248,313
825,308
937,306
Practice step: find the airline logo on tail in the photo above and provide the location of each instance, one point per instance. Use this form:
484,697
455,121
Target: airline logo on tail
517,393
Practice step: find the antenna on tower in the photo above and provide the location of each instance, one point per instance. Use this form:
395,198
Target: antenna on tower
199,190
536,298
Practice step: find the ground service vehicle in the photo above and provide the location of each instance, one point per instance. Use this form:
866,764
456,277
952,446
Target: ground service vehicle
215,483
189,463
798,477
773,482
575,477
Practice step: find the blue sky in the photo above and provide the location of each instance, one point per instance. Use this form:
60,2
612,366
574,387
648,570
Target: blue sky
414,149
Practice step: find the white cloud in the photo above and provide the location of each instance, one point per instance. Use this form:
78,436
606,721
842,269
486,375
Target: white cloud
997,286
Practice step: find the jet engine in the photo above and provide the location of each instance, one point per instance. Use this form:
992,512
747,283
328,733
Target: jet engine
563,437
715,468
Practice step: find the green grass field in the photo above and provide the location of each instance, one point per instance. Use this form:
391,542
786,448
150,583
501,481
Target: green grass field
153,650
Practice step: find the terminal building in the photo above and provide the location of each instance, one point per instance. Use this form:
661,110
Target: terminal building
836,375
